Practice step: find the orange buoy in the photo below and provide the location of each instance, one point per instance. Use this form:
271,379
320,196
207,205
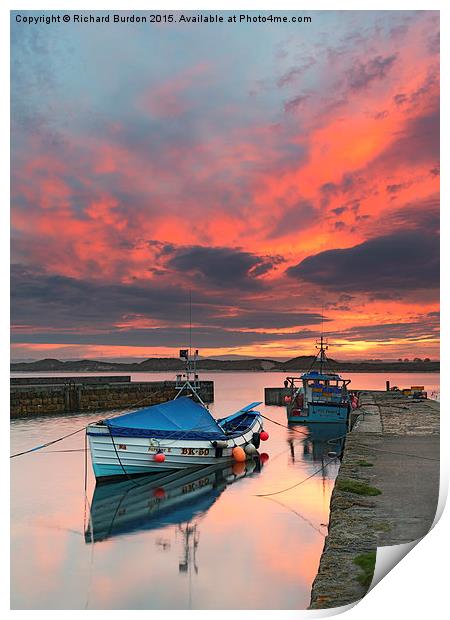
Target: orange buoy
159,457
239,454
264,435
238,468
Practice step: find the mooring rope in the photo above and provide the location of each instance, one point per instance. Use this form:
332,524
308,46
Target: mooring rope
283,425
117,454
298,483
277,501
49,443
59,451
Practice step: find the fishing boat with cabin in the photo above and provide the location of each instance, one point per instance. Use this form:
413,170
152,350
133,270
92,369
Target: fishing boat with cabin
177,434
319,395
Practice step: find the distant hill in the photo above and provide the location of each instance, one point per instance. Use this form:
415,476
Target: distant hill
161,364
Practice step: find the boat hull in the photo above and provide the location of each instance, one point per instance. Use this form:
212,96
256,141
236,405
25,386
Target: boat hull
158,500
114,456
323,413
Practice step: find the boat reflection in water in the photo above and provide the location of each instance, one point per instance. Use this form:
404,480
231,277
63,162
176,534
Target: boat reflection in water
160,500
319,440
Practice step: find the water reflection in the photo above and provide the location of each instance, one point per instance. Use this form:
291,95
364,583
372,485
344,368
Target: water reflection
319,440
155,501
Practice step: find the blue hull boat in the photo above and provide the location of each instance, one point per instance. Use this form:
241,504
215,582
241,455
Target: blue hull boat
321,413
318,396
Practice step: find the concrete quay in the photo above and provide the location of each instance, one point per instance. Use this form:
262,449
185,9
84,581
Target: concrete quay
386,492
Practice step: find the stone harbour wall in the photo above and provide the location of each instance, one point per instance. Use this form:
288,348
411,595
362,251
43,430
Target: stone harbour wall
32,400
385,494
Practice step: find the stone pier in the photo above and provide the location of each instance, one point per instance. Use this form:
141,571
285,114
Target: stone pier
386,492
31,396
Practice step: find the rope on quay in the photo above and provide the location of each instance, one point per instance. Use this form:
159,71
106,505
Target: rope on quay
416,456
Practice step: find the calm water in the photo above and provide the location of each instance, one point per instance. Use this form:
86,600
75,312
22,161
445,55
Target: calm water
199,541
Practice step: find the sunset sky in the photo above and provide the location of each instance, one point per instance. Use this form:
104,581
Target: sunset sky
276,171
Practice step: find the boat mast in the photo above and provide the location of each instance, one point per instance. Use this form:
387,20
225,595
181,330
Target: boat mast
323,346
189,381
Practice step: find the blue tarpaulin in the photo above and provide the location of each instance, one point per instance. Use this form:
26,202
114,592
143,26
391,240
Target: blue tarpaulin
177,419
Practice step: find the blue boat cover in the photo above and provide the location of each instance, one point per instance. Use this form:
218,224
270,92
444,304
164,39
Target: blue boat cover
177,419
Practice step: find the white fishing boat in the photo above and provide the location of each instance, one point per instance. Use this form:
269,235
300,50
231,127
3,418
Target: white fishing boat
181,433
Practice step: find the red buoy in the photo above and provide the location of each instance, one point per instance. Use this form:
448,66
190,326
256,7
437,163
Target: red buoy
159,457
264,457
264,435
159,493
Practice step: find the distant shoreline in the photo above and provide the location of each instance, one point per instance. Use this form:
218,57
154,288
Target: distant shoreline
173,365
230,370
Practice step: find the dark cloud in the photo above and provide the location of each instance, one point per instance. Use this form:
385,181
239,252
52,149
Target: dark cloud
273,319
427,90
434,43
289,77
203,337
350,181
296,102
426,327
400,99
396,187
298,217
329,188
77,310
41,299
400,261
417,142
221,267
339,210
292,75
381,115
420,215
362,74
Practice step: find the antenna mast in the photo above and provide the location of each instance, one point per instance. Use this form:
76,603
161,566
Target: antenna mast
322,355
189,381
190,322
323,347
